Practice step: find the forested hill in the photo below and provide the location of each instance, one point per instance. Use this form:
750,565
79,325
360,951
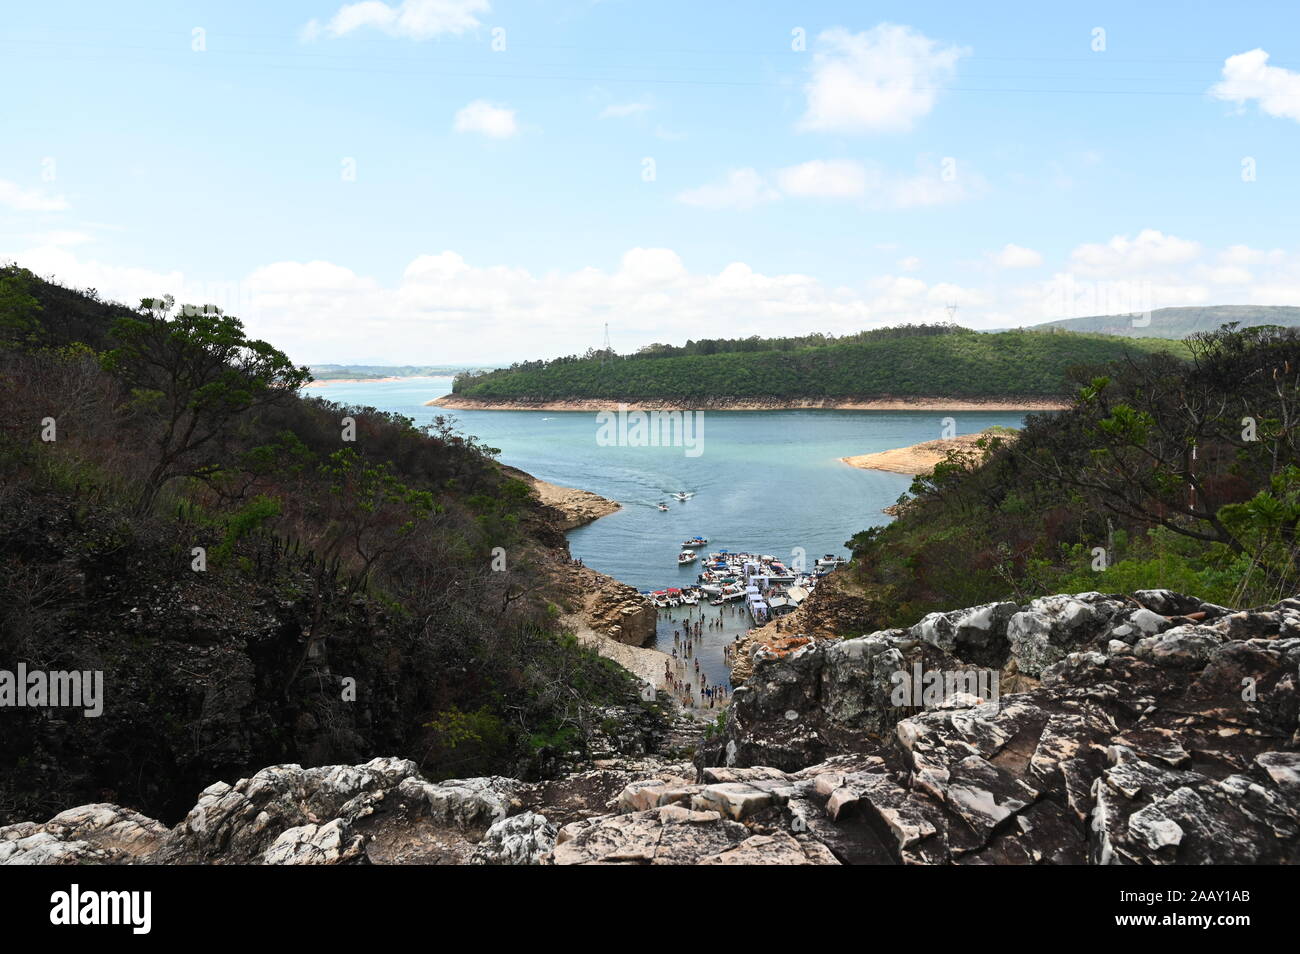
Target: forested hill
261,576
910,361
1180,322
1175,474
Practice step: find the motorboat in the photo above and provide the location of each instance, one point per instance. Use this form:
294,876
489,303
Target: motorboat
683,495
685,557
663,507
694,543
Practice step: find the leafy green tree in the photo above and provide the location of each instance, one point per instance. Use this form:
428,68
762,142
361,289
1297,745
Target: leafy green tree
20,322
196,372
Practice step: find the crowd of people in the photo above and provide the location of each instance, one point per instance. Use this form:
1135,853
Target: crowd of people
683,676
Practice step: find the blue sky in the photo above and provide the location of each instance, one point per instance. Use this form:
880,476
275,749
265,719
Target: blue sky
377,182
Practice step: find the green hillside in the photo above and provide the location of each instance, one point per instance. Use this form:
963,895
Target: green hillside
938,361
257,584
1180,322
1176,474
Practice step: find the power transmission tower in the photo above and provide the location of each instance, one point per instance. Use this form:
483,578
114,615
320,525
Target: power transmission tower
952,310
606,351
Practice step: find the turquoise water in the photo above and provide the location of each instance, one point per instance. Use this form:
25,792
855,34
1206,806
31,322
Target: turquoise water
764,482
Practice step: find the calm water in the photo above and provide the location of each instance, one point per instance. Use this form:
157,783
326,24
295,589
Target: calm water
766,482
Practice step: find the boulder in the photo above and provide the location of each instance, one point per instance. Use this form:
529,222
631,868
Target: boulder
524,839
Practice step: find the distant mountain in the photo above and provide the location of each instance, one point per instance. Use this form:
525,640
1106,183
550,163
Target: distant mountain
1179,322
325,372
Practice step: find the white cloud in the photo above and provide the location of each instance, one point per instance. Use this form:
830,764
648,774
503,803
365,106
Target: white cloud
29,200
1225,274
123,284
880,80
909,264
412,19
1150,248
444,308
480,116
824,178
1245,255
836,179
925,189
742,189
1247,76
61,238
1016,256
623,110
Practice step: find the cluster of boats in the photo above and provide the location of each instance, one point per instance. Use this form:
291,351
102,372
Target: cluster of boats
688,554
768,587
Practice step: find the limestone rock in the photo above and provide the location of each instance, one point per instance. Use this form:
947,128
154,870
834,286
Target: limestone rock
524,839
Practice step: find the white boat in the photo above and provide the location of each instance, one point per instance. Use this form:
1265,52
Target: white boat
685,557
694,543
683,495
690,599
663,507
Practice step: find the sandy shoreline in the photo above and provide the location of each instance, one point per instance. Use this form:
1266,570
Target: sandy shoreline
453,402
917,459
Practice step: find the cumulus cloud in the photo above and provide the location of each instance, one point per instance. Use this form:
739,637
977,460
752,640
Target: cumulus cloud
126,284
624,110
1016,256
742,189
1148,249
445,308
15,197
1245,255
412,19
1247,77
927,188
836,179
880,80
825,178
480,116
1225,274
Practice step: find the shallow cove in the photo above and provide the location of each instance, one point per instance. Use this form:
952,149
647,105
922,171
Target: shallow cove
764,482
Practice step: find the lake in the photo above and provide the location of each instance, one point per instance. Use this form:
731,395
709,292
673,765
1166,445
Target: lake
764,482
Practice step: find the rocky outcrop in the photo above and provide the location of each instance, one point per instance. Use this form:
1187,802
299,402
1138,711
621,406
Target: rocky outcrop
1165,730
608,607
525,839
1170,734
574,508
835,607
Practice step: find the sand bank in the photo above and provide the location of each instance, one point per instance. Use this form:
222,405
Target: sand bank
917,459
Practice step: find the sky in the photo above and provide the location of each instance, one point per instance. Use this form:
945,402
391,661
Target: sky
485,181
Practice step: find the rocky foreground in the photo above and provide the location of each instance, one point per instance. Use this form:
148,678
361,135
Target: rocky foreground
1160,729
